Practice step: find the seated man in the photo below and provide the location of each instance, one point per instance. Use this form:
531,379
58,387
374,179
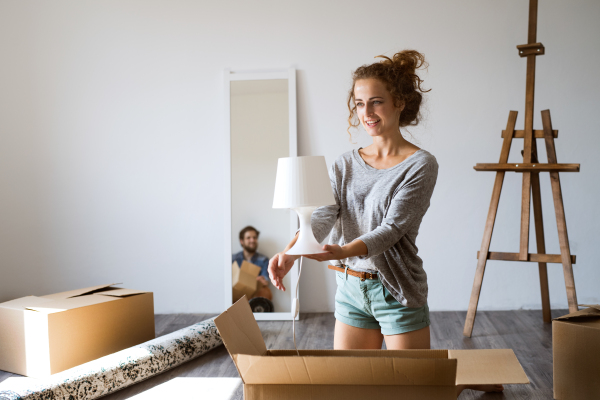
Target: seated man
249,243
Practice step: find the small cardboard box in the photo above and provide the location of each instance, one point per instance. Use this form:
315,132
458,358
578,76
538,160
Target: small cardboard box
244,279
356,374
576,354
40,336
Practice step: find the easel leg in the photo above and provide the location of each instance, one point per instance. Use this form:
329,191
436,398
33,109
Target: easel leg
541,245
563,239
489,227
559,209
483,254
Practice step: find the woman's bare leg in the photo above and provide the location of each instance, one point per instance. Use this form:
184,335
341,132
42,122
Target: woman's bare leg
348,337
418,339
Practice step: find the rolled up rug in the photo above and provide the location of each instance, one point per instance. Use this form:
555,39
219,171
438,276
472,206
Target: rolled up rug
118,370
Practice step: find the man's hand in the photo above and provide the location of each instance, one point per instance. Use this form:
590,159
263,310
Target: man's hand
262,280
279,266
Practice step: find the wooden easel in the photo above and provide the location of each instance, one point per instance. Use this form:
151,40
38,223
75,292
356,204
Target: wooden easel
530,168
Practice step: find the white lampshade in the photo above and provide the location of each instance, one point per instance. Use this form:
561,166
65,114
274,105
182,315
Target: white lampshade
302,182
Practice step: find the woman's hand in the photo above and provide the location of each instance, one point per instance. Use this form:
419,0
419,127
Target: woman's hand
279,266
330,252
334,252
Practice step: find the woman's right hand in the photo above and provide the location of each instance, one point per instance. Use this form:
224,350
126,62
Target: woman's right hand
279,266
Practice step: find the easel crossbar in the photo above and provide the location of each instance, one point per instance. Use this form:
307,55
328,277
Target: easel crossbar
531,257
537,133
527,167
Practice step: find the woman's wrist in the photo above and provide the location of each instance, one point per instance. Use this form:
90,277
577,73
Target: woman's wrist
355,248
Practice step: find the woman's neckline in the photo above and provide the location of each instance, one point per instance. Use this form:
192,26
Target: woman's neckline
367,166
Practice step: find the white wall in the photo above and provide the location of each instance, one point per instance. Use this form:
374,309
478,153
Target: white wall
111,134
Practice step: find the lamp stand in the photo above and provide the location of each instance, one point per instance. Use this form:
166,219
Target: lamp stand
306,243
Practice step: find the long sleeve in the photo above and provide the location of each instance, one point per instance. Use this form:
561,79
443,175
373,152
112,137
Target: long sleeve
323,218
405,212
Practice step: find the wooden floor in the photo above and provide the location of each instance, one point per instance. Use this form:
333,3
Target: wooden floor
523,331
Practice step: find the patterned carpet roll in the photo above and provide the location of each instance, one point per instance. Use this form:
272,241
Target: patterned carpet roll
119,370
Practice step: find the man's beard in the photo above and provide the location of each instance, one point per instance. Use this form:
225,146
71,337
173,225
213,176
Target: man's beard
250,249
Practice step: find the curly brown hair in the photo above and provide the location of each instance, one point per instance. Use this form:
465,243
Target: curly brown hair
399,76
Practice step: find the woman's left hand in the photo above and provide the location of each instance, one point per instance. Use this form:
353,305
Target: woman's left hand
330,252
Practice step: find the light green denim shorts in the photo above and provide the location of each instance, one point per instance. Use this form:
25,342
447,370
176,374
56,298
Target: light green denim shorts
368,304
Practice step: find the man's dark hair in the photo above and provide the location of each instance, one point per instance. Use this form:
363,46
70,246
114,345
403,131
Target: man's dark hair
246,229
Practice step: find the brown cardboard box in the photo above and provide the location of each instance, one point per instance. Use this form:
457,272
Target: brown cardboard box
356,374
244,279
40,336
576,354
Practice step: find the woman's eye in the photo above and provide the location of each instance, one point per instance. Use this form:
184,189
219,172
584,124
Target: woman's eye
359,104
376,102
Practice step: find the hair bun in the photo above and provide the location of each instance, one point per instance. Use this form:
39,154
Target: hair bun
407,60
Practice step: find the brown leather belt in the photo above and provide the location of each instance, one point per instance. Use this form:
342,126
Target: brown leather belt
358,274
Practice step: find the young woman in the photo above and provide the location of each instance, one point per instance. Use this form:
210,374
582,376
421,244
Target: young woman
382,192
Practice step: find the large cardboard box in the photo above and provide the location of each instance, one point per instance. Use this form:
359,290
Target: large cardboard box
40,336
356,374
576,354
244,279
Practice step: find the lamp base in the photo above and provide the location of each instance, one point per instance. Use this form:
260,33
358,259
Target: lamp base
306,243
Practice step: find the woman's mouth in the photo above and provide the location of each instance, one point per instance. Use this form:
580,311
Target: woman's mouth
372,123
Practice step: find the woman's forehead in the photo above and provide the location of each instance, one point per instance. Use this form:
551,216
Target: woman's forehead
371,87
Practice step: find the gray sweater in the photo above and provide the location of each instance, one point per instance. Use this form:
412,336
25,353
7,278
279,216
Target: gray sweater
384,209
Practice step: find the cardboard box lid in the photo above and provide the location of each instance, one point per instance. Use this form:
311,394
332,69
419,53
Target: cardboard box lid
61,305
589,317
24,302
78,292
118,292
243,340
488,367
239,330
72,299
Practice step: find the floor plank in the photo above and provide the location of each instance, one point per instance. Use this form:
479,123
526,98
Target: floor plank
520,330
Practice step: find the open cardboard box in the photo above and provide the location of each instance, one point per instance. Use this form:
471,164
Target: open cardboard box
576,354
40,336
356,374
243,279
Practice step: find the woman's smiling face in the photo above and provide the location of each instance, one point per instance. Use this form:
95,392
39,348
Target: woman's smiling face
375,107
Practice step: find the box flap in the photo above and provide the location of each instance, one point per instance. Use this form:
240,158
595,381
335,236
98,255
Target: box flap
596,306
592,312
343,370
24,302
55,306
429,353
488,367
121,292
77,292
249,268
239,330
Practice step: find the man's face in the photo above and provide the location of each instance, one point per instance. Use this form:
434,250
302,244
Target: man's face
250,241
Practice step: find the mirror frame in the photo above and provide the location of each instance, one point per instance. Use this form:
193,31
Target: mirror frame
229,76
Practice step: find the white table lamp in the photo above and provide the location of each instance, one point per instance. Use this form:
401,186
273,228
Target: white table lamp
302,184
